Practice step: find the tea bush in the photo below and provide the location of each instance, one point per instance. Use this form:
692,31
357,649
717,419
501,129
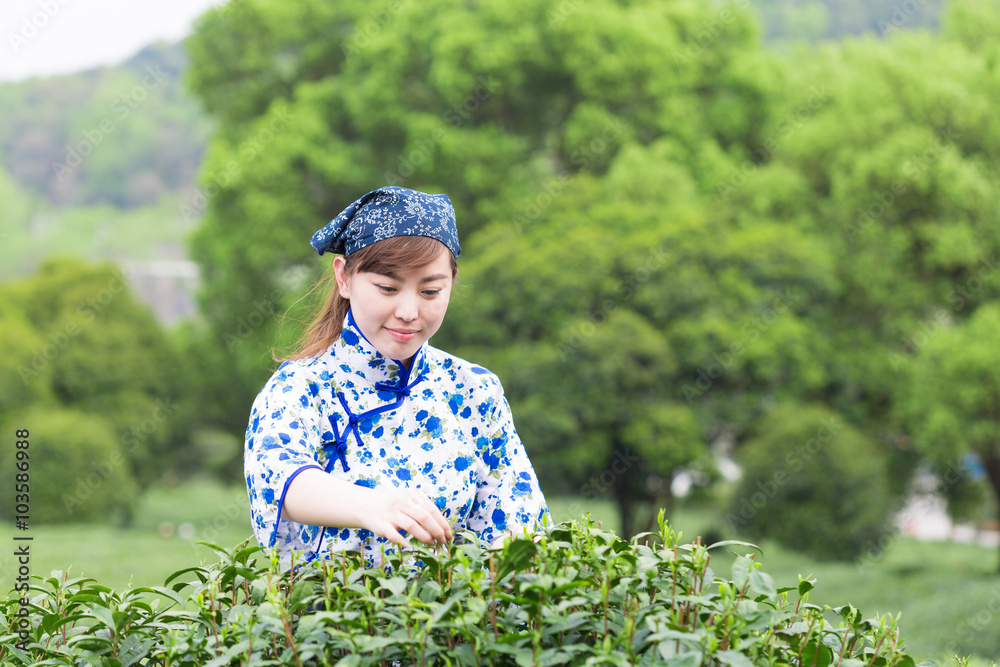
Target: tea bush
574,595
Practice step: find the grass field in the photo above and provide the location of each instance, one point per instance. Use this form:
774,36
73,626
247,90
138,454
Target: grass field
948,594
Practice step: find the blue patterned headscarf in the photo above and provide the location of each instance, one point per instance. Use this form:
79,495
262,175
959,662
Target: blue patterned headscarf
387,212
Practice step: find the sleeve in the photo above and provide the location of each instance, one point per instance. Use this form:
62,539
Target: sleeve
282,439
508,496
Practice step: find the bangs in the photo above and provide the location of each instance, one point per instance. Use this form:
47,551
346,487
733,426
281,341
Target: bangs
399,253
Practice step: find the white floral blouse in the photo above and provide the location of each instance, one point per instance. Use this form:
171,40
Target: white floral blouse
443,427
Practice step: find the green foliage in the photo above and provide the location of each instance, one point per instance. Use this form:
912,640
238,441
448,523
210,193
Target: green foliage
575,595
949,401
79,470
812,483
124,135
658,243
78,341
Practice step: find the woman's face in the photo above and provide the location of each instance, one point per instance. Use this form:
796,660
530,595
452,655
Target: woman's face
398,313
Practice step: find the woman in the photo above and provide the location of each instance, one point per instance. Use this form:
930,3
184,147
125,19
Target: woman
369,434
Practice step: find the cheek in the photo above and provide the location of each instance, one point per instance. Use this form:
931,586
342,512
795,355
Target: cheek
438,308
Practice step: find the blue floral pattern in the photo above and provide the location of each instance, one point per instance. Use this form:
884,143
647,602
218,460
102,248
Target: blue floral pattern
385,213
443,427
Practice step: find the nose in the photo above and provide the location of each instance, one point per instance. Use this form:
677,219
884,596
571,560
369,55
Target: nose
407,307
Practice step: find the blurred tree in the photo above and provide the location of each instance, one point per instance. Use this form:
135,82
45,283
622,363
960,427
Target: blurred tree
77,340
812,483
951,400
891,163
633,328
103,135
79,471
498,105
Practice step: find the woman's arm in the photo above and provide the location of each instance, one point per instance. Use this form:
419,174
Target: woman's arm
317,498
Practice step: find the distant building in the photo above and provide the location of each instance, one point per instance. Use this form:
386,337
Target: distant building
167,286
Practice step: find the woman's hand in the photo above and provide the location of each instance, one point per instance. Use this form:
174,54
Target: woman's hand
316,498
411,511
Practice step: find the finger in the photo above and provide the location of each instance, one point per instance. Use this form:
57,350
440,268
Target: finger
427,515
392,534
440,526
411,526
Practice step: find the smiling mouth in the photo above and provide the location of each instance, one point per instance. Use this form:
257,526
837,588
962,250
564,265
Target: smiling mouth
402,335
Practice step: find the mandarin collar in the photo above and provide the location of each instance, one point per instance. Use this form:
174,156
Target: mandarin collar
355,354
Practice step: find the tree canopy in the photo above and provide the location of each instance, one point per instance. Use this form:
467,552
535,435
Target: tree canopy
667,229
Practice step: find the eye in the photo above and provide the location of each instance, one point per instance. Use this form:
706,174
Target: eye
432,292
386,289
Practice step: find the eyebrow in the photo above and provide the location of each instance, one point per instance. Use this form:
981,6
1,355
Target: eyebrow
428,279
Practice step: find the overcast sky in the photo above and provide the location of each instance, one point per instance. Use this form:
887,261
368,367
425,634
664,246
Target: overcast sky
40,37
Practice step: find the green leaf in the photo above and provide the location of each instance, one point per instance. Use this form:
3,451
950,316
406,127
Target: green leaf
733,658
684,660
741,571
395,585
761,583
738,543
200,571
816,655
517,555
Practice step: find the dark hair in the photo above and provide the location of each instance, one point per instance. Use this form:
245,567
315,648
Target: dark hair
392,255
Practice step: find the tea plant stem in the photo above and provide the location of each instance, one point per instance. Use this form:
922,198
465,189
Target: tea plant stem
805,640
878,648
843,647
